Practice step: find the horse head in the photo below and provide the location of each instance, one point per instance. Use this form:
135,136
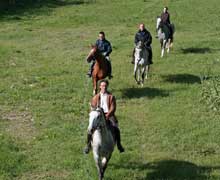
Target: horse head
96,119
138,50
94,52
158,23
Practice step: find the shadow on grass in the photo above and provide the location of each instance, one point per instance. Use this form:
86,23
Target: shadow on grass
24,7
182,78
192,50
169,169
144,92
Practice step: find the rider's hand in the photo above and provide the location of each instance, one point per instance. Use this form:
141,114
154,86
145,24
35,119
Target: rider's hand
107,116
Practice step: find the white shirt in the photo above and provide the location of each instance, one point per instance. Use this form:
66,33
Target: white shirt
103,102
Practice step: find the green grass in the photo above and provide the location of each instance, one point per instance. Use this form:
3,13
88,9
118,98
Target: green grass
168,130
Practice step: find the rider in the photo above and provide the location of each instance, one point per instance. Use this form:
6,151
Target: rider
145,36
105,48
107,102
165,20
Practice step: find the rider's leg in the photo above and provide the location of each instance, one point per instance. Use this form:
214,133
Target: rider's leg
109,67
118,139
133,58
150,54
113,126
89,73
88,143
116,133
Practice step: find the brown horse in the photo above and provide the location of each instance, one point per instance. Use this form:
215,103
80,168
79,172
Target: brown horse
100,70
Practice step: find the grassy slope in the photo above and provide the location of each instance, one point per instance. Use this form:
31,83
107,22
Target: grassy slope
168,133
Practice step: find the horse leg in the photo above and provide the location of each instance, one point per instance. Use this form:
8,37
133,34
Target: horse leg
143,76
138,75
135,68
135,73
147,70
162,52
163,47
105,163
168,46
98,163
94,86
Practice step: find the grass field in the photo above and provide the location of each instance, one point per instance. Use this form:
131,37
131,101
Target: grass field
170,127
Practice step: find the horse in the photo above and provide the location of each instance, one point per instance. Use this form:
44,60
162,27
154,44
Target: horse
164,35
102,142
142,64
100,70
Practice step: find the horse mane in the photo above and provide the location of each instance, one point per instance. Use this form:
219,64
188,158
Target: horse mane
97,51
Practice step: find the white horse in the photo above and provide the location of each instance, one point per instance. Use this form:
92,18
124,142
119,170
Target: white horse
102,140
164,36
142,64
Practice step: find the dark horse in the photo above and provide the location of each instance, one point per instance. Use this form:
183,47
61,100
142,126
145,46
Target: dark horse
100,70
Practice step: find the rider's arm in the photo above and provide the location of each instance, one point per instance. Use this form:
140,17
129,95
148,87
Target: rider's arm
112,108
109,49
168,18
136,39
148,40
95,101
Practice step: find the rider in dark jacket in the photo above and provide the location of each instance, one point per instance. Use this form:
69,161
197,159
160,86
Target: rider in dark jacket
143,35
165,20
105,48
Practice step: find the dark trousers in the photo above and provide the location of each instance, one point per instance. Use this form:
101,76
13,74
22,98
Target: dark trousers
115,132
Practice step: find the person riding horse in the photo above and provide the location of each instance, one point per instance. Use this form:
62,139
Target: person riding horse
107,102
105,48
165,20
144,36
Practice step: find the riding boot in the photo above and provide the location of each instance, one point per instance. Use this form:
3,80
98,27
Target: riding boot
118,139
133,58
89,73
150,56
171,33
88,146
